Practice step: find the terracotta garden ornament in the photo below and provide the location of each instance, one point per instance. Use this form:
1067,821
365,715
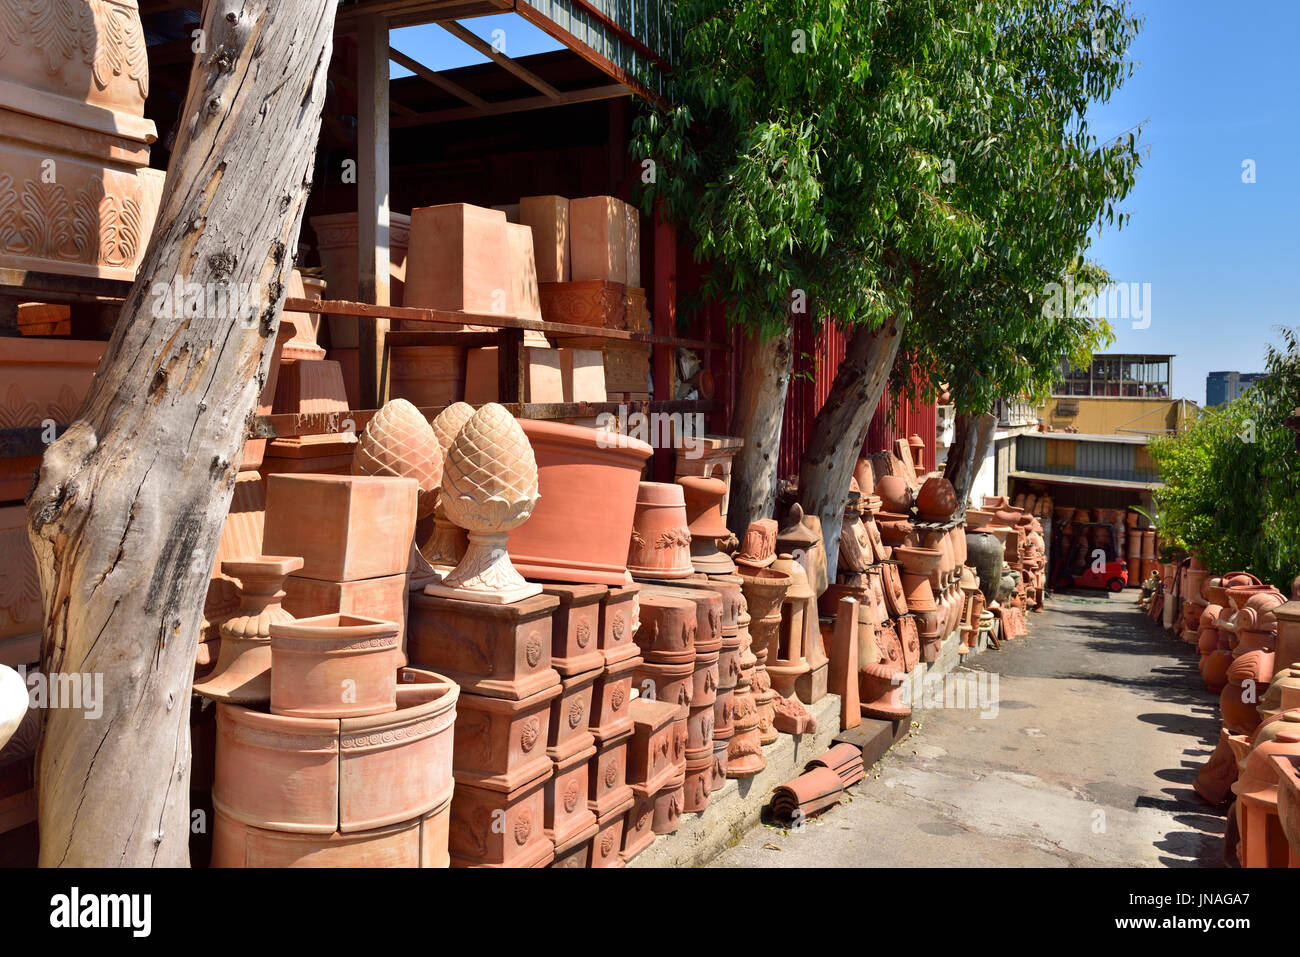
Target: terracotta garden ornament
489,486
703,497
857,551
787,662
744,749
791,717
764,590
758,549
801,536
398,441
446,545
243,671
661,539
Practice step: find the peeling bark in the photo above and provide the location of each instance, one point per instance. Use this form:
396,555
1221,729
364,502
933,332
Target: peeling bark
841,427
129,504
764,382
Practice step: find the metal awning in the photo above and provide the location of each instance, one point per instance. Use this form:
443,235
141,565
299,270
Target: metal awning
1085,480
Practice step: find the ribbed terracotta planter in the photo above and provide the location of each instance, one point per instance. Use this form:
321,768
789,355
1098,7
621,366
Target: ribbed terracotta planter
582,523
334,666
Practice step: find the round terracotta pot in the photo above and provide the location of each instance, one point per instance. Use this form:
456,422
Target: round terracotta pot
918,565
587,483
334,666
703,498
661,539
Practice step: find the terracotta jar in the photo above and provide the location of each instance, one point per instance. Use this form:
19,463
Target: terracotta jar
243,671
703,500
895,495
661,540
581,526
333,666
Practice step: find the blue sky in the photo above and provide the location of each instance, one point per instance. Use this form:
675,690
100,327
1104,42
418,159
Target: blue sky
1217,83
439,50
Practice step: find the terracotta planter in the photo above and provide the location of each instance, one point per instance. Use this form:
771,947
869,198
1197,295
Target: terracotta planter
703,499
568,821
336,241
608,841
619,622
243,670
418,843
660,542
698,783
607,786
580,528
668,628
329,521
638,826
758,547
568,731
494,828
383,598
651,761
333,666
427,376
501,743
575,627
666,683
502,651
937,500
719,765
669,803
919,564
611,693
591,302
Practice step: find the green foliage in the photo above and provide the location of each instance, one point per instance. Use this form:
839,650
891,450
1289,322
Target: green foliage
926,159
1232,478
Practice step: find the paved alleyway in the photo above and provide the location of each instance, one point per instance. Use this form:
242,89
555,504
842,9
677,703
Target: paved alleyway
1101,725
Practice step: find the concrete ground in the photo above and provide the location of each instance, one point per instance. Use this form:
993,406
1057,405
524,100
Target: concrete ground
1101,724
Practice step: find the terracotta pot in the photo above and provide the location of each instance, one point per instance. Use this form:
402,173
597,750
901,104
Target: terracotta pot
919,564
501,743
660,546
611,694
669,804
895,495
590,302
606,844
638,826
333,666
575,628
703,499
668,628
666,683
495,828
651,761
580,528
418,843
336,241
937,500
758,548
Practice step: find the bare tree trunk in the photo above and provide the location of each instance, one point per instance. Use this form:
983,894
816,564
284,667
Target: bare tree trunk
841,428
128,509
764,381
972,436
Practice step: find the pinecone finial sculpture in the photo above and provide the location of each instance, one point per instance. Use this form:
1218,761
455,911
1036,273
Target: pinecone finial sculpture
446,544
489,486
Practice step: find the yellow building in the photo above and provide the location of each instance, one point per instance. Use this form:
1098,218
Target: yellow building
1117,395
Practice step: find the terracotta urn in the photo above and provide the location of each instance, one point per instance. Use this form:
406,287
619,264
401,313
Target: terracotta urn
243,671
661,541
489,486
703,500
446,545
764,590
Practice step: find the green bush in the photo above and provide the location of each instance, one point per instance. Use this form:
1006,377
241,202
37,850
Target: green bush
1232,479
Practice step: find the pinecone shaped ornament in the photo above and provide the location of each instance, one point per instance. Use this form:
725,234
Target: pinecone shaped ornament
399,442
446,544
489,486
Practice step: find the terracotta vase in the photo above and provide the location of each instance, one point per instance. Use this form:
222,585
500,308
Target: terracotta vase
243,671
661,540
489,486
764,591
333,666
582,524
919,564
703,501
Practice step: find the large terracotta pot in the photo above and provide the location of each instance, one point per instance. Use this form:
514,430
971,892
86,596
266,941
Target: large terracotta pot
334,666
582,523
984,554
73,80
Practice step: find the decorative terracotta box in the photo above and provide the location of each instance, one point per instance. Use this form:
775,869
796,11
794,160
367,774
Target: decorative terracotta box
499,650
668,627
575,627
493,828
501,742
593,302
568,819
570,713
607,786
619,621
611,693
651,758
330,521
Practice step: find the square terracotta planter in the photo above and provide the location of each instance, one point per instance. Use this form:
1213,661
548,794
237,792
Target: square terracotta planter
459,259
543,375
598,303
582,375
618,623
384,598
575,858
610,698
608,841
523,272
336,241
597,238
548,218
569,820
652,756
575,627
570,714
501,742
501,651
330,520
493,828
638,825
607,785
